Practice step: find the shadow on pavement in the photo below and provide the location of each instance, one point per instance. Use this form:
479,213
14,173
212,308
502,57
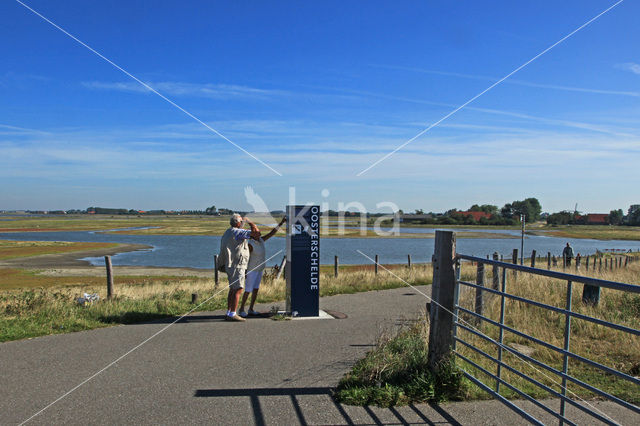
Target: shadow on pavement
254,395
293,394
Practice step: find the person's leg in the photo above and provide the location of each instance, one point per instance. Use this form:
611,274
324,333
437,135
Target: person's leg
255,286
245,296
236,284
251,283
235,298
254,295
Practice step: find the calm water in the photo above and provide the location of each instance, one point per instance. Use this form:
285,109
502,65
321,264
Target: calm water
198,251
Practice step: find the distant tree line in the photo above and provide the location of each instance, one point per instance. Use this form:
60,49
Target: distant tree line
489,214
615,217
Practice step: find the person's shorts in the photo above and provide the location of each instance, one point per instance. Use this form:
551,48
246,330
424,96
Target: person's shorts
253,281
236,278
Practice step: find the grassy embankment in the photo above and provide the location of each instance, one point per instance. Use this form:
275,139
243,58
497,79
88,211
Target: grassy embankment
596,232
35,305
395,372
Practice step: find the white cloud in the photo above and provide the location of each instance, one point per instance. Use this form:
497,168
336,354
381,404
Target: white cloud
629,66
173,88
635,68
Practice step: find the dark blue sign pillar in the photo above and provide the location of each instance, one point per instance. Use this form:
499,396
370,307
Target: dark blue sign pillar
303,260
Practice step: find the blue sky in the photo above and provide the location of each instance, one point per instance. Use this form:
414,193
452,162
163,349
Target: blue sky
319,91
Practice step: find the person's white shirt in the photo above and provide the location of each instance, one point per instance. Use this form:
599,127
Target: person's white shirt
257,257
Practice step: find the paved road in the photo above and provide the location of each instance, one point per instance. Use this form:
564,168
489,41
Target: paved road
204,370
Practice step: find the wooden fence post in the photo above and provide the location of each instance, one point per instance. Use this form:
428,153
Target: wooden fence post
479,295
409,261
548,260
283,265
335,266
533,259
514,260
194,298
496,273
107,262
216,275
443,292
578,259
376,264
586,263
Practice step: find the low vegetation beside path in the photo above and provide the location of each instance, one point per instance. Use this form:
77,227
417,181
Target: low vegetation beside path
395,372
51,307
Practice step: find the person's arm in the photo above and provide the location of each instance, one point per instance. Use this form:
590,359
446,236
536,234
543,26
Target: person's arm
274,230
255,232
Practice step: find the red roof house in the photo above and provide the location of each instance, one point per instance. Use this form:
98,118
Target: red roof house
597,219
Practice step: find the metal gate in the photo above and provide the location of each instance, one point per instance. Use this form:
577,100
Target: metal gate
479,341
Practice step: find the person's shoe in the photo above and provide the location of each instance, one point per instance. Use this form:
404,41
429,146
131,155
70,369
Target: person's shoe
254,313
236,318
243,314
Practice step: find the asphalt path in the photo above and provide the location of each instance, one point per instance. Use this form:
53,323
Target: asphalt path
204,370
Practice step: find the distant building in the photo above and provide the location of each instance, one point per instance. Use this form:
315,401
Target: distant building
414,217
597,219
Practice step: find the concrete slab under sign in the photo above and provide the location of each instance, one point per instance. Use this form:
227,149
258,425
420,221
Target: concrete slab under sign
321,315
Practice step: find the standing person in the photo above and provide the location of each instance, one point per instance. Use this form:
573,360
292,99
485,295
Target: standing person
567,253
255,269
234,255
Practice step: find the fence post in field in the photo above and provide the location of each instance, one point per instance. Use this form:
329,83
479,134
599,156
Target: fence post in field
611,264
586,263
443,295
555,260
600,264
194,298
216,275
626,261
283,264
376,264
514,260
496,273
578,258
591,294
409,261
335,266
564,261
479,295
533,259
548,260
107,262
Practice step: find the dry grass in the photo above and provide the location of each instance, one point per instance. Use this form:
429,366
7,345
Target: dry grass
39,308
609,347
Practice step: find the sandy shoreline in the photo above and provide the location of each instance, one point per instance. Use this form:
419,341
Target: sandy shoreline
70,265
68,259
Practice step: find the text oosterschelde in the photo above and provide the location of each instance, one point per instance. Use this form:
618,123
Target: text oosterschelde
315,247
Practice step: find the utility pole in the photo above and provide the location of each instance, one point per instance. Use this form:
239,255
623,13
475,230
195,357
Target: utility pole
522,219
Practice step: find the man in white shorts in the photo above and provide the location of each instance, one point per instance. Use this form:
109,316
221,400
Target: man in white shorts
234,255
255,268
